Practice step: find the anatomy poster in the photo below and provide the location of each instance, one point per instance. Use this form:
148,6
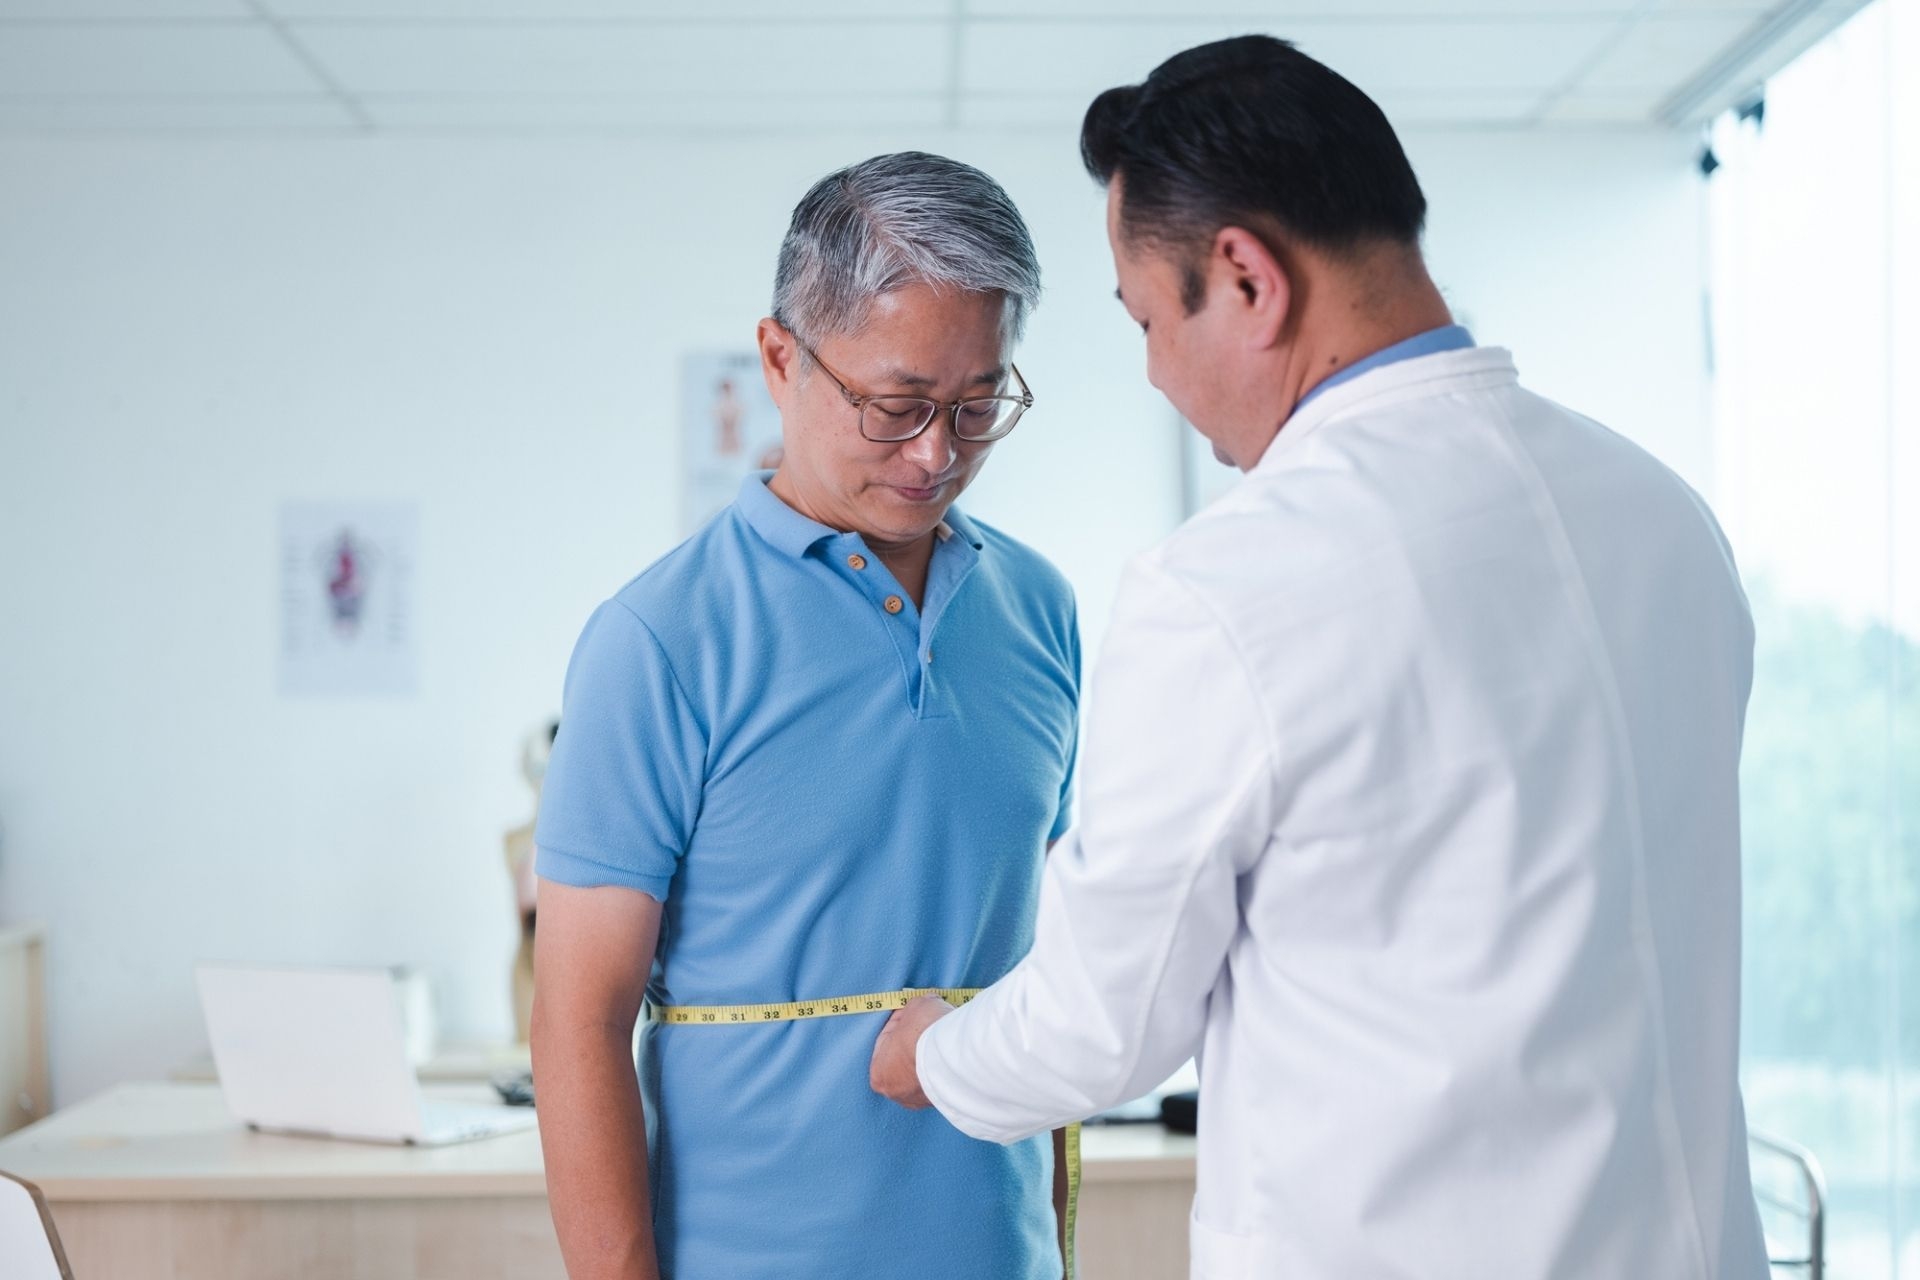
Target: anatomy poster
347,598
729,426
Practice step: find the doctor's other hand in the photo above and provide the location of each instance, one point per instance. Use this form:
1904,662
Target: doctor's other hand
892,1072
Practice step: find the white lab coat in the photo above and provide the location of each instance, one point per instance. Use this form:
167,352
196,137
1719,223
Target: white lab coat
1410,805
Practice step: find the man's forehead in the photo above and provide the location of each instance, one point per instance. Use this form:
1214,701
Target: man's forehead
901,375
918,337
875,355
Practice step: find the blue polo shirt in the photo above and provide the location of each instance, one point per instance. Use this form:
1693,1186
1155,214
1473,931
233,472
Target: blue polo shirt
832,792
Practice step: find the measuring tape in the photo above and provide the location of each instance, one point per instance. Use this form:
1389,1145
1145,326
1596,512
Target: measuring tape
716,1015
794,1010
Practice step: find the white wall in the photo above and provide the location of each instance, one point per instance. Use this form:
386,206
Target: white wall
192,332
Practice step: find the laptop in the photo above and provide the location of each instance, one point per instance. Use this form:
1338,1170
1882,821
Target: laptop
322,1051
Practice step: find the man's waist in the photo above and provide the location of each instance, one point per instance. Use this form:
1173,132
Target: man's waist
799,1010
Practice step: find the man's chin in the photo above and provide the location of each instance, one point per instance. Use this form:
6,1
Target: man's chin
901,509
898,529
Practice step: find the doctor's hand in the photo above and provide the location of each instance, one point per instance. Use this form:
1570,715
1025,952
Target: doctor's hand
892,1072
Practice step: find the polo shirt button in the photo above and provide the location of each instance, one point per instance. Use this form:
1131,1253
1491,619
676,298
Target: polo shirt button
893,604
856,562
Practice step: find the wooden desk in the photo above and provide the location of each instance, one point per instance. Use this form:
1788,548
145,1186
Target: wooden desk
157,1182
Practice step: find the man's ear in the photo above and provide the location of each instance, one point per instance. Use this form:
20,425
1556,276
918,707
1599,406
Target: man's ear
779,359
1255,281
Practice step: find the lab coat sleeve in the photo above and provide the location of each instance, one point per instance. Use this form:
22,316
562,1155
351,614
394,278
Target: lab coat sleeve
1139,903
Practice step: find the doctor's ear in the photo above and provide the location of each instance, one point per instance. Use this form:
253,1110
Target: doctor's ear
1258,282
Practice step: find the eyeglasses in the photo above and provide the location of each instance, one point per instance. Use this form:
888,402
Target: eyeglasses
891,419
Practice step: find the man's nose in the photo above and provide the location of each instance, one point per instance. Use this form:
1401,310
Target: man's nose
933,450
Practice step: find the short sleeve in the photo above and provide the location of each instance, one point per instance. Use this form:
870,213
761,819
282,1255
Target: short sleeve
1064,817
623,787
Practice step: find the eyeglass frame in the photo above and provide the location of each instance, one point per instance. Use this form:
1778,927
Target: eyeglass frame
860,402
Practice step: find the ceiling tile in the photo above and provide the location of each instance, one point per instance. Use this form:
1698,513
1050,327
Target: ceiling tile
1660,54
1478,57
671,58
564,11
1741,66
1270,12
1279,12
1406,110
145,116
132,10
668,113
1581,107
1696,8
148,59
1476,110
600,65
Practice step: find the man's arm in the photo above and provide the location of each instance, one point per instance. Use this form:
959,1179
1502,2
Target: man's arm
592,954
1139,904
1060,1135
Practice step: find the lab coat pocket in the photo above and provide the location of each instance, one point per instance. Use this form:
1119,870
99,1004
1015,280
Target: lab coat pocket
1222,1255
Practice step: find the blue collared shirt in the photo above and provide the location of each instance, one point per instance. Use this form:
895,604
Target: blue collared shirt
1448,337
833,792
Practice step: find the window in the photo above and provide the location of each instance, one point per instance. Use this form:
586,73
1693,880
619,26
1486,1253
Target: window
1815,307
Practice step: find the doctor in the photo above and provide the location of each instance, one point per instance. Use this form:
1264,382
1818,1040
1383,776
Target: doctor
1410,798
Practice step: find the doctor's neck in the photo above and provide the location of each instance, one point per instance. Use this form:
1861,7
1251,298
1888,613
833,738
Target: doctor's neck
1348,308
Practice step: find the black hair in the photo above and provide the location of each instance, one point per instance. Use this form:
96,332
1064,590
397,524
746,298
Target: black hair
1251,132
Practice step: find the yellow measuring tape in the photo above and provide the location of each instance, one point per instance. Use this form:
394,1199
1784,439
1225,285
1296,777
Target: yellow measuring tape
794,1010
841,1006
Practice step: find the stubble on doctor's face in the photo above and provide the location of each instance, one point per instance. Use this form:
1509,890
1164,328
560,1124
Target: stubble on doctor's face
1214,361
943,345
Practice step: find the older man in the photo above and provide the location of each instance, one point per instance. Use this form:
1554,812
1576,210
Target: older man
1411,799
815,753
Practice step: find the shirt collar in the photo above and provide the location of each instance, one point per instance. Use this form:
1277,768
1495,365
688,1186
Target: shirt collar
787,530
957,523
1446,372
1448,337
783,528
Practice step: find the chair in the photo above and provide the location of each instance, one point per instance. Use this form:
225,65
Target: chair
29,1245
1791,1190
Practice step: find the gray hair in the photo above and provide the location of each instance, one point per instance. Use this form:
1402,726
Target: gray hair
895,220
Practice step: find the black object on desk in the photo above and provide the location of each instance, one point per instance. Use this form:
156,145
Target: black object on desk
515,1088
1180,1112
